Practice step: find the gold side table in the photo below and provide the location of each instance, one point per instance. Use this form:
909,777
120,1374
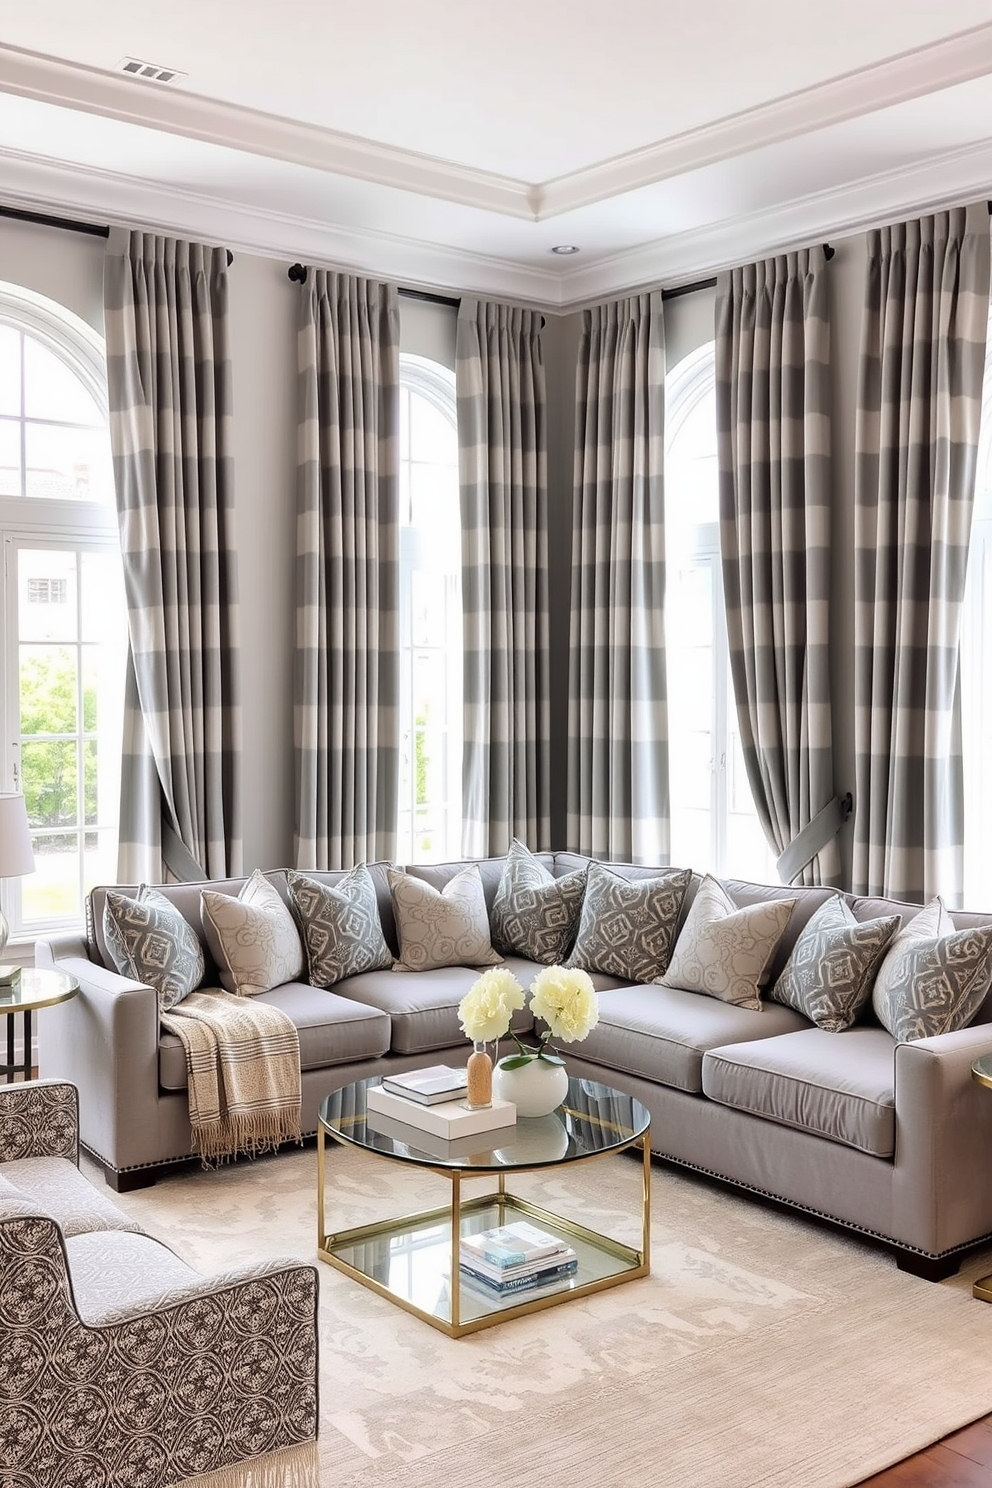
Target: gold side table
981,1071
36,987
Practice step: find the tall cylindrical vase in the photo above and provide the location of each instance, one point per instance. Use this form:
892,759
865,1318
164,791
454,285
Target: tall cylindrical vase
479,1091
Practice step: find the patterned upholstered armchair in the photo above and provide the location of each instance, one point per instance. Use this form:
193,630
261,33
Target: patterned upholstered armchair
119,1365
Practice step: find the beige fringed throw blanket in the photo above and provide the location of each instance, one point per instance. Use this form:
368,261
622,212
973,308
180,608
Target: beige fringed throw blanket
243,1059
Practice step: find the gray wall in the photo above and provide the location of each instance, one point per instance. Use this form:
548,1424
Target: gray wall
69,268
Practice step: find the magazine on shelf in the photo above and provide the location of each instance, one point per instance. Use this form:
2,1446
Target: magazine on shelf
439,1082
505,1288
499,1274
513,1244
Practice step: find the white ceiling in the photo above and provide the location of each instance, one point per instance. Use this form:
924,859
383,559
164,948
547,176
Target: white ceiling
451,145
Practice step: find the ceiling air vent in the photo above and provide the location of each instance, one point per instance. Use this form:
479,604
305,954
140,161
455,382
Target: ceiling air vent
134,68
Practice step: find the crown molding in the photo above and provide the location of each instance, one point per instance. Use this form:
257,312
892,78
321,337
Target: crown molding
930,69
946,64
87,193
154,106
942,181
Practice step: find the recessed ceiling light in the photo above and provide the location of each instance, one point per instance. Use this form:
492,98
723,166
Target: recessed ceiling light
565,248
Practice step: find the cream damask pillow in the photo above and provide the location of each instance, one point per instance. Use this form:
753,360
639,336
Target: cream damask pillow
724,951
441,927
934,978
253,938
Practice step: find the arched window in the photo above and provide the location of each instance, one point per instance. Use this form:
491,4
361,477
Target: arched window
715,827
62,595
430,816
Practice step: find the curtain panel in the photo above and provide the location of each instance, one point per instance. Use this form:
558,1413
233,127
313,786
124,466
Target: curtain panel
169,385
916,450
618,713
773,439
346,682
502,454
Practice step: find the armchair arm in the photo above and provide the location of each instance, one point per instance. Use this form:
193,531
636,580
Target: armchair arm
942,1189
39,1118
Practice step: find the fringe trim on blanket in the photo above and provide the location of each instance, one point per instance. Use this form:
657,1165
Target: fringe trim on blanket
294,1467
246,1135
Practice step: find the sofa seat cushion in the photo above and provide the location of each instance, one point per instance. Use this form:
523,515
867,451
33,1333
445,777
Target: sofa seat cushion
332,1030
662,1033
118,1272
422,1006
56,1188
837,1085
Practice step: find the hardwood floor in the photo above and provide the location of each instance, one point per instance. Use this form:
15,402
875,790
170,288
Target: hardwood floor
963,1460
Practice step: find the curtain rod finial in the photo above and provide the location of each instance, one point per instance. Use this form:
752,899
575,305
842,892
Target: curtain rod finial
298,273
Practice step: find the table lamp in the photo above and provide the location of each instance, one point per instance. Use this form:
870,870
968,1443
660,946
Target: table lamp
16,858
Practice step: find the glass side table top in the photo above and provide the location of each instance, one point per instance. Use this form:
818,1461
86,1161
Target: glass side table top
593,1119
982,1069
37,987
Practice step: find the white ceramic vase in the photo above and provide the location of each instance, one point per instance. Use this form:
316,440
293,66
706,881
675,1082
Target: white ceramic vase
536,1088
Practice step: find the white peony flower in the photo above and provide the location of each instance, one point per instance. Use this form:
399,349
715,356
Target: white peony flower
566,1000
487,1007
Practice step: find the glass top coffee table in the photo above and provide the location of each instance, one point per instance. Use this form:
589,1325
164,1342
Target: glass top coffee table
413,1259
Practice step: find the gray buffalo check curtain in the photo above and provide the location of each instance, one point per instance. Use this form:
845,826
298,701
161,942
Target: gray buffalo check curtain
169,383
617,715
502,439
346,687
916,439
773,441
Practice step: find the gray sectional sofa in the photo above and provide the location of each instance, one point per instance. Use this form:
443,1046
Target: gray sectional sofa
888,1139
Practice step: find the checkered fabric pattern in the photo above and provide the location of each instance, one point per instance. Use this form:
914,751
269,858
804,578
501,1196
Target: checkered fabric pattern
773,400
916,443
346,697
618,703
169,386
502,456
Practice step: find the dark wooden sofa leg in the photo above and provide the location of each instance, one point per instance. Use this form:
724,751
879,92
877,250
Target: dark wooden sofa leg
928,1268
128,1182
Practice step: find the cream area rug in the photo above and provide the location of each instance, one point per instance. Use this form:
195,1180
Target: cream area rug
764,1351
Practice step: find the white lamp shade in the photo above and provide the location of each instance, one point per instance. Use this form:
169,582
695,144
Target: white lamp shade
16,852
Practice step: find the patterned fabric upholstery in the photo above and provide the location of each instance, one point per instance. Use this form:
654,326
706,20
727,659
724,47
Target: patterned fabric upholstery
39,1119
150,941
628,928
441,927
253,938
54,1186
535,914
341,928
833,963
724,951
934,978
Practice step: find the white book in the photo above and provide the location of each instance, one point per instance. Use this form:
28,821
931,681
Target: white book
515,1244
439,1082
448,1119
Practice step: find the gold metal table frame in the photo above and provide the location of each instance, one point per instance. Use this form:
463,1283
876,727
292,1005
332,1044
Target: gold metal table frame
413,1259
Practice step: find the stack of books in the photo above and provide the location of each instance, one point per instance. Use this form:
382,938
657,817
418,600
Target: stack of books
515,1257
433,1100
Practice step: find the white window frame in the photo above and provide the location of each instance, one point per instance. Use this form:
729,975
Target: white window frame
436,383
38,522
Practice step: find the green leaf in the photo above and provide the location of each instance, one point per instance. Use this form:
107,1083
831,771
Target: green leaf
516,1061
550,1058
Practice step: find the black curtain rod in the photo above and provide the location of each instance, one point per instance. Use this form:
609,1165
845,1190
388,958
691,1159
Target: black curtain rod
67,224
298,274
684,289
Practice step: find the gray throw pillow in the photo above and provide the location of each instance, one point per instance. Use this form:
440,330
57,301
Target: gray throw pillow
340,925
535,914
828,977
627,927
149,940
934,978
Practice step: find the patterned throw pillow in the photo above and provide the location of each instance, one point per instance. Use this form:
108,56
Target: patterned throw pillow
724,951
149,940
828,976
341,928
253,938
628,927
934,978
535,914
441,927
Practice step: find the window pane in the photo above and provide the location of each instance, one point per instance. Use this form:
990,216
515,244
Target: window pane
10,458
432,438
48,690
48,774
102,600
53,391
68,464
10,370
46,594
51,892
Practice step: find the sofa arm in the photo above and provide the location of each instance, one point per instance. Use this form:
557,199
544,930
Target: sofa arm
105,1040
39,1118
942,1189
